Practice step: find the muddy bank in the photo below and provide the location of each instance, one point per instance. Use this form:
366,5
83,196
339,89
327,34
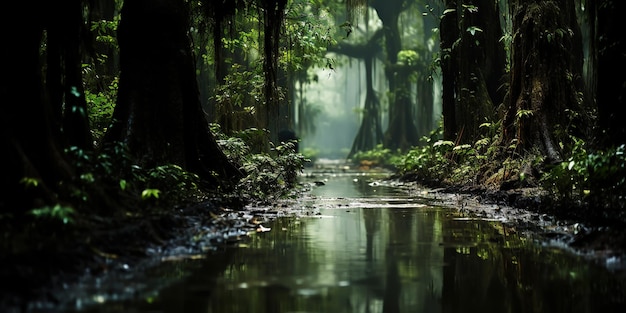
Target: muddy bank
112,254
96,252
597,235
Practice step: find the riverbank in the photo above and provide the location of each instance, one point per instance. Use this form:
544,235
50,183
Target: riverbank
53,273
594,233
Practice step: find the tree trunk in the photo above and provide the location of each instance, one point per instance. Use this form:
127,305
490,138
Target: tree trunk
159,114
29,137
401,132
424,85
269,113
370,133
449,34
545,65
611,71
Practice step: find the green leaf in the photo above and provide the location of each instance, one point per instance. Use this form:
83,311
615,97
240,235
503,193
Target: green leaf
150,193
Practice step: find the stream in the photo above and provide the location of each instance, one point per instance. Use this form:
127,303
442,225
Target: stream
372,246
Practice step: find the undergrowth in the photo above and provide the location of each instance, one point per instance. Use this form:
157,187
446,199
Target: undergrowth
591,180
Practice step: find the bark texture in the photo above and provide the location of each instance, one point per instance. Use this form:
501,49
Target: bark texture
546,64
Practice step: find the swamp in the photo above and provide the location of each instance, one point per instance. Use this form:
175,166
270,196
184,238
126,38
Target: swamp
313,156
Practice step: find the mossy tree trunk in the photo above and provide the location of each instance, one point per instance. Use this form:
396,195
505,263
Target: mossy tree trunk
544,92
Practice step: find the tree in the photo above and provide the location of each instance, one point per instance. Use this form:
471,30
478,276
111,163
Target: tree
370,132
425,82
269,113
158,113
473,64
449,34
402,132
608,46
228,23
546,71
35,128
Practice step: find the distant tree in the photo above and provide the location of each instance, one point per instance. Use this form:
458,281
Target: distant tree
158,113
401,132
546,71
370,132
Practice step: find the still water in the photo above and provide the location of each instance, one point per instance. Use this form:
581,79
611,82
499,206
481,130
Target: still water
377,248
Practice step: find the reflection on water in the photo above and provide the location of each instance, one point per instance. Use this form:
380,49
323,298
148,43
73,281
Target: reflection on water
368,255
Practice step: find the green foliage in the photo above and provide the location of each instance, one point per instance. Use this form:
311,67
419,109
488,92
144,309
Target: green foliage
268,175
170,182
473,30
30,182
100,106
408,57
309,31
311,153
150,194
429,161
58,212
597,178
105,31
112,167
106,165
380,156
240,94
444,162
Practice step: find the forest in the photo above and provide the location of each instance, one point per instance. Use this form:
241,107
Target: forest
118,115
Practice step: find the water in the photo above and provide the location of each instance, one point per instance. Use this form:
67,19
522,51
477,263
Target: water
376,248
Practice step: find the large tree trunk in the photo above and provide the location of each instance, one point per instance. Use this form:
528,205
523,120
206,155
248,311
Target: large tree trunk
490,54
473,67
546,63
32,148
158,113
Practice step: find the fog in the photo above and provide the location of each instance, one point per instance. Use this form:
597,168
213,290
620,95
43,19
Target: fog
340,94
